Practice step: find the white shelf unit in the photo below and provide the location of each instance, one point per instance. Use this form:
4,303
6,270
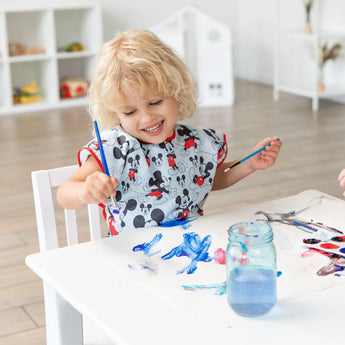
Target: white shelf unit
51,25
297,54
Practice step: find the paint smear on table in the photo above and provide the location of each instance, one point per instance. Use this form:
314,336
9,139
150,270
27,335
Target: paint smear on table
193,247
146,247
219,287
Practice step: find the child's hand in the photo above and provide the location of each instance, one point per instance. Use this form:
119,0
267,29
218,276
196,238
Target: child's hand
97,188
266,158
341,179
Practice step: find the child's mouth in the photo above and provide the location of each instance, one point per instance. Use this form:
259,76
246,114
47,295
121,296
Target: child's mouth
154,130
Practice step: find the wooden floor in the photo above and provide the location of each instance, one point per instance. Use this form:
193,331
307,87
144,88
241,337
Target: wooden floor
313,154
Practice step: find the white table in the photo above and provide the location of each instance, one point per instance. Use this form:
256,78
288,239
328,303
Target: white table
134,307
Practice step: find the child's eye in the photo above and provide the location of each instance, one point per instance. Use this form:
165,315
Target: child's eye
156,102
130,112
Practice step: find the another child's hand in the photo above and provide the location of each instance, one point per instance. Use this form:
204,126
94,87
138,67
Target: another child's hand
98,187
267,157
341,179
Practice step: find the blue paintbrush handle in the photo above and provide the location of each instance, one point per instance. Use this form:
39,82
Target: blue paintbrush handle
304,225
249,156
254,153
104,161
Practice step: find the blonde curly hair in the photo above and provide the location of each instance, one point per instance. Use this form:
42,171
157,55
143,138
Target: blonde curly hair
138,58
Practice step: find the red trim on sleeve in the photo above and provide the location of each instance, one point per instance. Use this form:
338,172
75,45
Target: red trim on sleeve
226,151
93,154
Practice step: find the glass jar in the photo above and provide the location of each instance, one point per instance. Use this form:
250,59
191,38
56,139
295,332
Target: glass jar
251,268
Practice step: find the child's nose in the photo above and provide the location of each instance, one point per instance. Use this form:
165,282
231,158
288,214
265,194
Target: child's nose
147,115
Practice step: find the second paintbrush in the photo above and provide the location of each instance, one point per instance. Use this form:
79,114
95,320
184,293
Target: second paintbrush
247,157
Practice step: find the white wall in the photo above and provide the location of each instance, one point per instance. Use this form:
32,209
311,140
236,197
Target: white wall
252,23
130,14
253,34
253,27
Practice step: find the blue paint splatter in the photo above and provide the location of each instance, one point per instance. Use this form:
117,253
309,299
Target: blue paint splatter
279,273
146,265
340,268
183,223
147,246
219,287
244,247
193,247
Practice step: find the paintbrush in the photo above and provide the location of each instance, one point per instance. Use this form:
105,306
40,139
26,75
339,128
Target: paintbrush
104,163
247,157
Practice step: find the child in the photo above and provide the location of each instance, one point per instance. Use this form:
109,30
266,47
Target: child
341,179
161,171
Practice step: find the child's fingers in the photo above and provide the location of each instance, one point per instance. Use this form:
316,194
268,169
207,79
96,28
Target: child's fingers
115,182
342,182
274,149
100,186
273,141
341,175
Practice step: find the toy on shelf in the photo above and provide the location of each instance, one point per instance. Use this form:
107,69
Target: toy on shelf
27,94
74,47
17,49
72,88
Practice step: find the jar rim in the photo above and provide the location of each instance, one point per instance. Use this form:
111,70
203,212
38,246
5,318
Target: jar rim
251,230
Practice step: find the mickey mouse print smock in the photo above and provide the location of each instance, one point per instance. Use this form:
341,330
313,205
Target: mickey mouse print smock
158,183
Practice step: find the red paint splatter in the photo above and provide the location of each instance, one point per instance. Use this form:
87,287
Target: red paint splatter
309,252
243,261
219,256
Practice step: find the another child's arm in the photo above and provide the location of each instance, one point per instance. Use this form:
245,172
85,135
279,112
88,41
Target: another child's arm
263,160
341,179
87,185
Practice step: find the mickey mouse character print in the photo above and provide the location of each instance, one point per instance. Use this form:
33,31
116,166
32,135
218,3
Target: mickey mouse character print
150,188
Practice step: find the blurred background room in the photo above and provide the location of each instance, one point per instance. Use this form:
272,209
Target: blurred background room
262,68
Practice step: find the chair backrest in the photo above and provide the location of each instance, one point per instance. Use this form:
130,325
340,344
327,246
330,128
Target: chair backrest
43,181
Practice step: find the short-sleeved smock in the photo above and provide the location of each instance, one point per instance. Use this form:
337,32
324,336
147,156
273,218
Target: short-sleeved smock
158,182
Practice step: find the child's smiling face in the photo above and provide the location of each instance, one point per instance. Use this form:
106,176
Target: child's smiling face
150,119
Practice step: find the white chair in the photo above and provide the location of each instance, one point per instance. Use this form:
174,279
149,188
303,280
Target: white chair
57,329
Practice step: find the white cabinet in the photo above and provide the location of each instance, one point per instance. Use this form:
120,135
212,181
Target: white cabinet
45,28
297,53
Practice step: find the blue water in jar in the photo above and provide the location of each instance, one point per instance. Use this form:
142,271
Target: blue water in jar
252,290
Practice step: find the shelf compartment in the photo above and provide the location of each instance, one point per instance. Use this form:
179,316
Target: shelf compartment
75,68
49,25
32,29
42,72
78,25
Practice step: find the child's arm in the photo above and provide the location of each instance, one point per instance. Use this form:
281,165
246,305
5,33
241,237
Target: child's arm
263,160
87,185
341,179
